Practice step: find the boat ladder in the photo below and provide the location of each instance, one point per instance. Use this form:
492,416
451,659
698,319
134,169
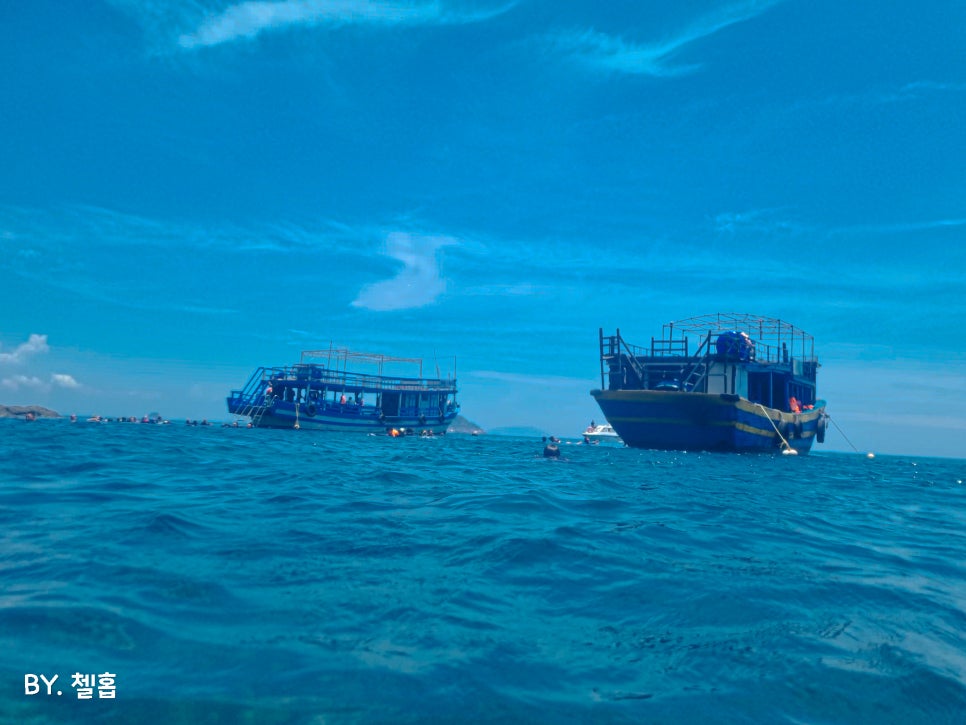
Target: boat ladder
697,373
254,412
699,368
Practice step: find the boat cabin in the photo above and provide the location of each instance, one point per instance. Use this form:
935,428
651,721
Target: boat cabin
761,359
340,382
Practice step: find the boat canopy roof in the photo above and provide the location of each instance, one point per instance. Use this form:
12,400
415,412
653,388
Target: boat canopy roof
768,331
341,358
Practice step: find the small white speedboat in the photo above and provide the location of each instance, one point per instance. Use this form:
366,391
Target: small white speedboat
601,434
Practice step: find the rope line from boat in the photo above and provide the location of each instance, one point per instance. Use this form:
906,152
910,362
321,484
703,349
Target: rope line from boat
828,417
785,444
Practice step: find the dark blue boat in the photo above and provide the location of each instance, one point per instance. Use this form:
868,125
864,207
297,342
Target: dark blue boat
341,390
722,382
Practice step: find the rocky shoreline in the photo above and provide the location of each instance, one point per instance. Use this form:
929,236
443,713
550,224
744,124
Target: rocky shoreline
23,411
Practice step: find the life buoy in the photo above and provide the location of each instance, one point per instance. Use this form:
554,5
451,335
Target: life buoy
310,410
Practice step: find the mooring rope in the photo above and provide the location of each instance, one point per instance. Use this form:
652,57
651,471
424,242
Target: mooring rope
842,432
785,444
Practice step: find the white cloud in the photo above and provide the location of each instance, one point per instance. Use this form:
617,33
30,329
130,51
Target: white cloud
607,52
62,380
35,344
32,382
248,19
417,284
16,382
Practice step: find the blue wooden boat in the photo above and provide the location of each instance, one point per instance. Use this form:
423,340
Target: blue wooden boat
721,382
341,390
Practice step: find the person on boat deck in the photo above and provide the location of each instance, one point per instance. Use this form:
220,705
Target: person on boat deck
342,399
793,405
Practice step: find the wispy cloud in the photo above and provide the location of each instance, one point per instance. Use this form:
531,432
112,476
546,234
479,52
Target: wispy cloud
32,382
609,53
18,382
249,19
35,344
418,283
63,380
97,254
886,95
906,227
934,87
774,221
765,221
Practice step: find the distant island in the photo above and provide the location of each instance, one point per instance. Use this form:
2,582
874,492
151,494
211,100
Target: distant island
518,431
21,411
462,425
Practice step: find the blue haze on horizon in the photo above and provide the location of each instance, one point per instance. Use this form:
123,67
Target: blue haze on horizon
193,189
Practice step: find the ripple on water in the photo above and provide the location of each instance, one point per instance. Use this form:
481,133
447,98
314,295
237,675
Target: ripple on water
232,573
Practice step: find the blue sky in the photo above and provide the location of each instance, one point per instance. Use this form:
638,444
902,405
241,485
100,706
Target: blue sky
191,189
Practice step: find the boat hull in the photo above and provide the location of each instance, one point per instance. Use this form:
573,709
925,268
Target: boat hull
687,421
337,418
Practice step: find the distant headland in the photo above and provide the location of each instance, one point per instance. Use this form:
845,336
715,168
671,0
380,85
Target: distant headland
23,411
462,425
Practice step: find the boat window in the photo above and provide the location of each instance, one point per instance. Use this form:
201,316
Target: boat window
758,384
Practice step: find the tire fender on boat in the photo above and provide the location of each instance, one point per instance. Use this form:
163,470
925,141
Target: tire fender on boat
797,427
820,425
310,410
784,429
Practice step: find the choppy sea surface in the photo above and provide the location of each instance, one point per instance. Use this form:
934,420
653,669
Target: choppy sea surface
227,575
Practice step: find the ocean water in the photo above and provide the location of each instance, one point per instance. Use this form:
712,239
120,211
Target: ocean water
255,576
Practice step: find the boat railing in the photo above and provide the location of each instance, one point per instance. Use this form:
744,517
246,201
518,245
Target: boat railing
315,377
669,347
615,353
253,388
